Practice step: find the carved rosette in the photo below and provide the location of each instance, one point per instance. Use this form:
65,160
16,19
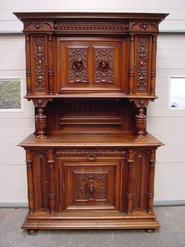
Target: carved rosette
142,61
91,186
39,63
104,60
78,71
38,26
143,27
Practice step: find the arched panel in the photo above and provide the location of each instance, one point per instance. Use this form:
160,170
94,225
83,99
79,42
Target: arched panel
141,180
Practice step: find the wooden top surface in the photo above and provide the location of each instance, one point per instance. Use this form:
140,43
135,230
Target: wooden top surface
91,140
91,15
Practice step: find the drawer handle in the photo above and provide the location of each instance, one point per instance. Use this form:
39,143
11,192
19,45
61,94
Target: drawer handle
104,66
78,65
91,157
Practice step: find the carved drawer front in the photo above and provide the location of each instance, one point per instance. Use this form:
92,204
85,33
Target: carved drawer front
89,65
91,184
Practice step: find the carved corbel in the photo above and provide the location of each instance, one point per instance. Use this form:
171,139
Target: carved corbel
140,117
40,117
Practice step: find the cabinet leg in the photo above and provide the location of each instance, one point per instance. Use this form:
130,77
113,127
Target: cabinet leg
32,231
149,230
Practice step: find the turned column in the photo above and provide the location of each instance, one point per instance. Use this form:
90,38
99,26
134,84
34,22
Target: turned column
130,184
31,194
150,194
50,64
52,190
131,65
141,117
28,65
40,117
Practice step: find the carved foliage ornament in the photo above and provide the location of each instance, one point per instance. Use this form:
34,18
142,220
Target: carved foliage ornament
142,61
78,64
91,186
39,63
104,58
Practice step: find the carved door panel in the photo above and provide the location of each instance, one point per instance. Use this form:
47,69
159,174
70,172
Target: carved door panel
106,57
74,64
91,185
91,65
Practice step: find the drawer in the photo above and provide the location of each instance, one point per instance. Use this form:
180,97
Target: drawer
91,65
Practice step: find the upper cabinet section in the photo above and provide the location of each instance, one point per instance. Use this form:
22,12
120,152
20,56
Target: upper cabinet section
91,65
69,53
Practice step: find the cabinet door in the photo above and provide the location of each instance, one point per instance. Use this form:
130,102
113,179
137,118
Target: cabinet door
74,64
91,65
88,185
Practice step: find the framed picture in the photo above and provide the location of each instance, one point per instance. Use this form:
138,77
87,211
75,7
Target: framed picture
10,94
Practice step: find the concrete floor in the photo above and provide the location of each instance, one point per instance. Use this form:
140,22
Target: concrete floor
171,234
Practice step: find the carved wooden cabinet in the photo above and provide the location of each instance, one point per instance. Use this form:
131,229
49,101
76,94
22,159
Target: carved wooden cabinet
90,162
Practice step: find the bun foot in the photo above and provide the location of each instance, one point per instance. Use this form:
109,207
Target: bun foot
32,232
149,230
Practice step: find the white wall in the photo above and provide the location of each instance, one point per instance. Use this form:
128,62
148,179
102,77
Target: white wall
170,168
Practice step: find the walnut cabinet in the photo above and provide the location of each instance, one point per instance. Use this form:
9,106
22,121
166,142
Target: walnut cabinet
90,161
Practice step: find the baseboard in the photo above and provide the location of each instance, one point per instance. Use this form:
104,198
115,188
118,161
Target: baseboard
156,203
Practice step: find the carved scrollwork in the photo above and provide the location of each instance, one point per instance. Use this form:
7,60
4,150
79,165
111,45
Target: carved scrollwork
91,186
78,65
104,64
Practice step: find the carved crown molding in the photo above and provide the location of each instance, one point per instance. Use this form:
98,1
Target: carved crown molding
50,26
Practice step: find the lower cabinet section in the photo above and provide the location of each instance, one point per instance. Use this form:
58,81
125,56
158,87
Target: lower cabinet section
88,188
